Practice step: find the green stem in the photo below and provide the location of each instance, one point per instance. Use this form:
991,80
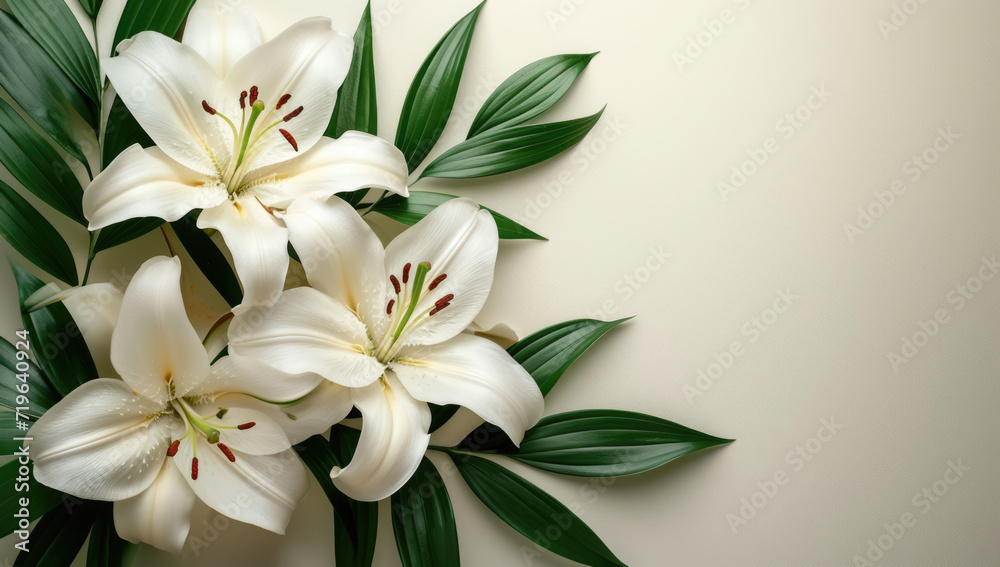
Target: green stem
91,253
376,203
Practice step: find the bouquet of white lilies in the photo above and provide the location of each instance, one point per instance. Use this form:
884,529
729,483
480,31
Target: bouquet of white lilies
125,418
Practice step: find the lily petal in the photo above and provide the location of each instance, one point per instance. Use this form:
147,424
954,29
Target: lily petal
222,34
238,374
475,373
163,84
153,342
257,489
354,161
459,241
100,443
315,413
159,515
307,331
393,440
342,256
265,437
147,183
259,244
308,61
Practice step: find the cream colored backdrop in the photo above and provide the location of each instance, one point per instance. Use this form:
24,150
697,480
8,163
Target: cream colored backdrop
798,200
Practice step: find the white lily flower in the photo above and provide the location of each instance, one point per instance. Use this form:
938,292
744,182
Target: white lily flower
129,441
238,126
388,324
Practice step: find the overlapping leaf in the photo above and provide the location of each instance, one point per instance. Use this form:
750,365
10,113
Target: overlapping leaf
409,211
423,521
27,231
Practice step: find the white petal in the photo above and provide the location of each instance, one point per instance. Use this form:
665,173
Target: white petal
221,33
458,240
354,161
163,84
342,256
475,373
313,414
239,374
500,334
257,489
393,440
153,341
159,515
265,437
307,331
309,61
147,183
99,442
259,244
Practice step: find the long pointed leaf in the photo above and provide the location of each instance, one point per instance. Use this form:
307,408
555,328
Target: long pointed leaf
209,258
27,231
13,368
155,15
409,210
423,521
106,549
42,497
59,535
357,105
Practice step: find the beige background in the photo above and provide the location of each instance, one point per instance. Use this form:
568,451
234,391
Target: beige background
647,179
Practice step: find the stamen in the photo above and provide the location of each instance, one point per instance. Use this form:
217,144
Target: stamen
293,114
172,450
395,284
245,426
243,100
437,309
208,109
437,281
227,452
289,138
388,310
444,300
281,101
254,91
194,468
406,273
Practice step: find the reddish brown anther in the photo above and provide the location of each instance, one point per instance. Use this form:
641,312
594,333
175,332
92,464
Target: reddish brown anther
194,468
243,99
406,273
388,310
437,281
289,138
292,114
444,301
395,283
281,101
227,452
172,449
247,425
254,92
208,109
437,309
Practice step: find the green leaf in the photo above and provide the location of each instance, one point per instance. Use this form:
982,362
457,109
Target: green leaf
155,15
55,28
40,393
510,149
208,257
533,512
441,414
409,210
529,92
33,161
433,91
38,86
106,549
9,430
357,106
606,443
121,132
92,7
42,498
423,521
126,231
545,355
57,343
27,231
57,538
320,458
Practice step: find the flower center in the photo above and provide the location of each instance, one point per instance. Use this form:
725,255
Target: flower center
401,308
206,427
248,136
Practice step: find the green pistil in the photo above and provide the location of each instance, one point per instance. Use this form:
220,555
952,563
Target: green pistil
211,433
418,287
255,111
